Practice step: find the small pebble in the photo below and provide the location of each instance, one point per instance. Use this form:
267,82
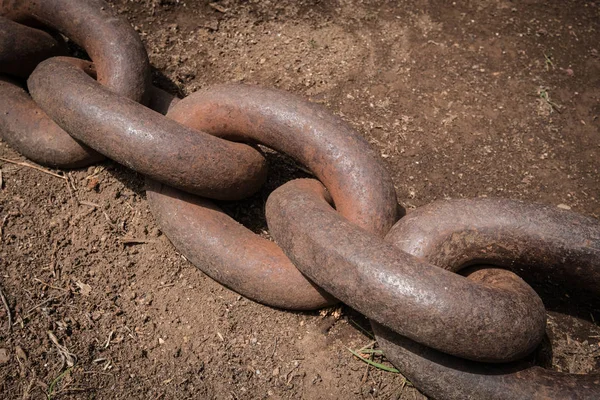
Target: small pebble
4,356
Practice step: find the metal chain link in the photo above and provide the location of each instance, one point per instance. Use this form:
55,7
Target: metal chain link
24,126
542,243
255,267
439,328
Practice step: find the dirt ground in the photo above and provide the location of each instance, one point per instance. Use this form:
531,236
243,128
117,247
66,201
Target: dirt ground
462,99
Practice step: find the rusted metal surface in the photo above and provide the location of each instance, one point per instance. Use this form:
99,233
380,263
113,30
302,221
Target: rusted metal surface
232,254
27,129
539,241
425,315
444,377
109,39
142,139
23,125
121,60
161,101
498,318
22,48
361,187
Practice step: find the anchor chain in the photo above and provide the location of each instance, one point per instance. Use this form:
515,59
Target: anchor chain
454,335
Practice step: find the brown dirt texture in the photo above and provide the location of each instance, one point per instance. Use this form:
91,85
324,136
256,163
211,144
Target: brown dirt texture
492,98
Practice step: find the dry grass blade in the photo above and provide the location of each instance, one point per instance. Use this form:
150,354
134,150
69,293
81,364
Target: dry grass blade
125,240
67,357
49,286
24,164
8,313
89,204
32,309
218,7
369,350
2,227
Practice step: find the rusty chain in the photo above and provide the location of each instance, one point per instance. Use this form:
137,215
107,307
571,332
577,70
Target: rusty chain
454,336
551,244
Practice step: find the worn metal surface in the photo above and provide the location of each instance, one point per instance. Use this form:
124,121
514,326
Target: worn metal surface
23,125
444,377
110,41
539,241
355,176
28,130
26,127
490,315
22,48
142,139
498,318
232,254
161,101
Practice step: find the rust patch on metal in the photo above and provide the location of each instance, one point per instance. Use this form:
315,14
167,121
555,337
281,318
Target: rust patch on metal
360,186
22,48
110,41
442,376
142,139
27,129
23,125
120,57
540,241
230,253
499,318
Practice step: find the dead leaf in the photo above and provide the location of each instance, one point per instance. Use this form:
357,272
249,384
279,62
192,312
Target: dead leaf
84,288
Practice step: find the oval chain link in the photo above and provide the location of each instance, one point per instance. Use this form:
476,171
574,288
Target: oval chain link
231,254
543,243
428,304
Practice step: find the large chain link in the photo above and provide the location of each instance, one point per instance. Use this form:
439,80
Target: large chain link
247,263
545,243
439,328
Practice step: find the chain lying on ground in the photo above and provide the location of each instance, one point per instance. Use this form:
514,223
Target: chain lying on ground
542,242
256,267
439,328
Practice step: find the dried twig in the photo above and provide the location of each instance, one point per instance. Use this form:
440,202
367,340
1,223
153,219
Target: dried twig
218,7
89,204
274,348
71,181
366,373
53,259
8,313
135,241
2,227
49,285
110,335
24,164
166,285
67,357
